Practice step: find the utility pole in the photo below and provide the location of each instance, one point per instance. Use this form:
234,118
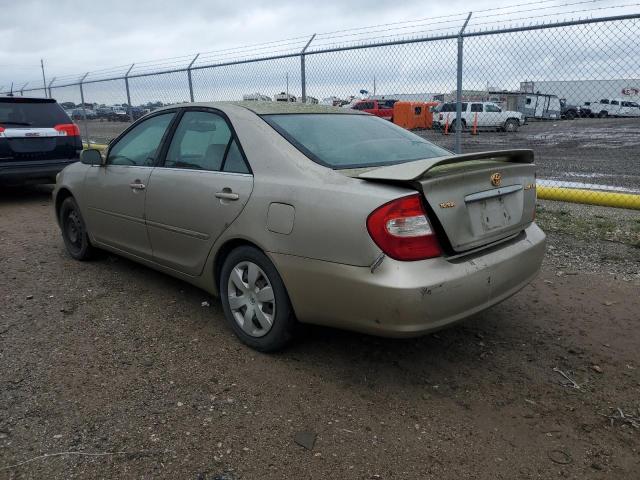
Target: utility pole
44,80
374,85
287,86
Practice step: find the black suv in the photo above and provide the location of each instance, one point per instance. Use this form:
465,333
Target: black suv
37,140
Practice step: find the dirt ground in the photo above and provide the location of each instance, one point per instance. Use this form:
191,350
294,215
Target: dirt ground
133,376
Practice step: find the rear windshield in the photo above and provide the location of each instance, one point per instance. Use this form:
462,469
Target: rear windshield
19,112
352,141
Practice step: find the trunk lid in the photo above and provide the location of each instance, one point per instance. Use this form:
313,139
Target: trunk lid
475,199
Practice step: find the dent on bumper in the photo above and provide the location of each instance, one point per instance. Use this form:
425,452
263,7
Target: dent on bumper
403,299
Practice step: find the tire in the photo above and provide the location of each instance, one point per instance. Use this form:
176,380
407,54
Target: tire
74,231
603,114
463,124
570,115
511,125
245,276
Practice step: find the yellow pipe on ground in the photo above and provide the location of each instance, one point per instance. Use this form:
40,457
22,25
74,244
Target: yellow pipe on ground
98,146
590,197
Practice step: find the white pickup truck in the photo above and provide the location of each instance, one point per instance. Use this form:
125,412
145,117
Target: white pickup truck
489,115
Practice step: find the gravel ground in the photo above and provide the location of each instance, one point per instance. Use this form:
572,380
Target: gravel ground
600,151
126,369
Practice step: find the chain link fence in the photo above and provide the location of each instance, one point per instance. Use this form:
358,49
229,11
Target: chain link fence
568,90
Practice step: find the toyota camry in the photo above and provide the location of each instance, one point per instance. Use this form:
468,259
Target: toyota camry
308,214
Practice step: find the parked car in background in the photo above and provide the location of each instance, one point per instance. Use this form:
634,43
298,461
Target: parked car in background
37,140
568,111
586,110
614,107
79,113
119,115
488,115
629,109
379,108
305,213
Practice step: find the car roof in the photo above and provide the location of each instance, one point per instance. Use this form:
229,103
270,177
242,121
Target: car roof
21,99
271,108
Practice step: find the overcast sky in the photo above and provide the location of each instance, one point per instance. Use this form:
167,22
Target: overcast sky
74,36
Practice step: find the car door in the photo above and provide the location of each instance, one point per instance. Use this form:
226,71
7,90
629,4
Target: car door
493,115
201,187
476,109
116,192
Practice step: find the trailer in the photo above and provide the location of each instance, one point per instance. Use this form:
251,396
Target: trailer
537,105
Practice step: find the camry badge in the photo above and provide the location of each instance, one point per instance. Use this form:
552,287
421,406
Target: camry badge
496,179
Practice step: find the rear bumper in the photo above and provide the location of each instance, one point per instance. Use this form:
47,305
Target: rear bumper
41,171
404,299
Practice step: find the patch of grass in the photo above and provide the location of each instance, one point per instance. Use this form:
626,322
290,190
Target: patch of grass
596,227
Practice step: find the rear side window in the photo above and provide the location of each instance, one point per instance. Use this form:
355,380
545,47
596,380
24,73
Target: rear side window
476,107
200,142
351,140
451,107
204,141
19,112
234,162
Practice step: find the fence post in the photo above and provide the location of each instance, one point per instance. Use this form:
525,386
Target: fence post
189,76
126,85
303,76
22,89
51,83
84,111
458,131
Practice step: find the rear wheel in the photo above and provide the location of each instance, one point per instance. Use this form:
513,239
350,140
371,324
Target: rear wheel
463,124
603,114
74,231
511,125
255,301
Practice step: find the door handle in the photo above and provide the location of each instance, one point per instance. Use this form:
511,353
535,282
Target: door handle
137,185
227,194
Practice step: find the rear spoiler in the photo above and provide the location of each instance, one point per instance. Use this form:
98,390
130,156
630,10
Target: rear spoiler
409,171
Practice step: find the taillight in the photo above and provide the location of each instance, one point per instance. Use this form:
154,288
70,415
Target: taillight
68,129
401,229
1,129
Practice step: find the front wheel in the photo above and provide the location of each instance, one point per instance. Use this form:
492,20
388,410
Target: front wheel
603,114
74,231
255,301
511,125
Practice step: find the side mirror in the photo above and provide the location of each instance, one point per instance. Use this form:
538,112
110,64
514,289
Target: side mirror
91,156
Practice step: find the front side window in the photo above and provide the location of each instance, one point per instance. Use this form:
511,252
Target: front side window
140,145
492,108
614,102
352,141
